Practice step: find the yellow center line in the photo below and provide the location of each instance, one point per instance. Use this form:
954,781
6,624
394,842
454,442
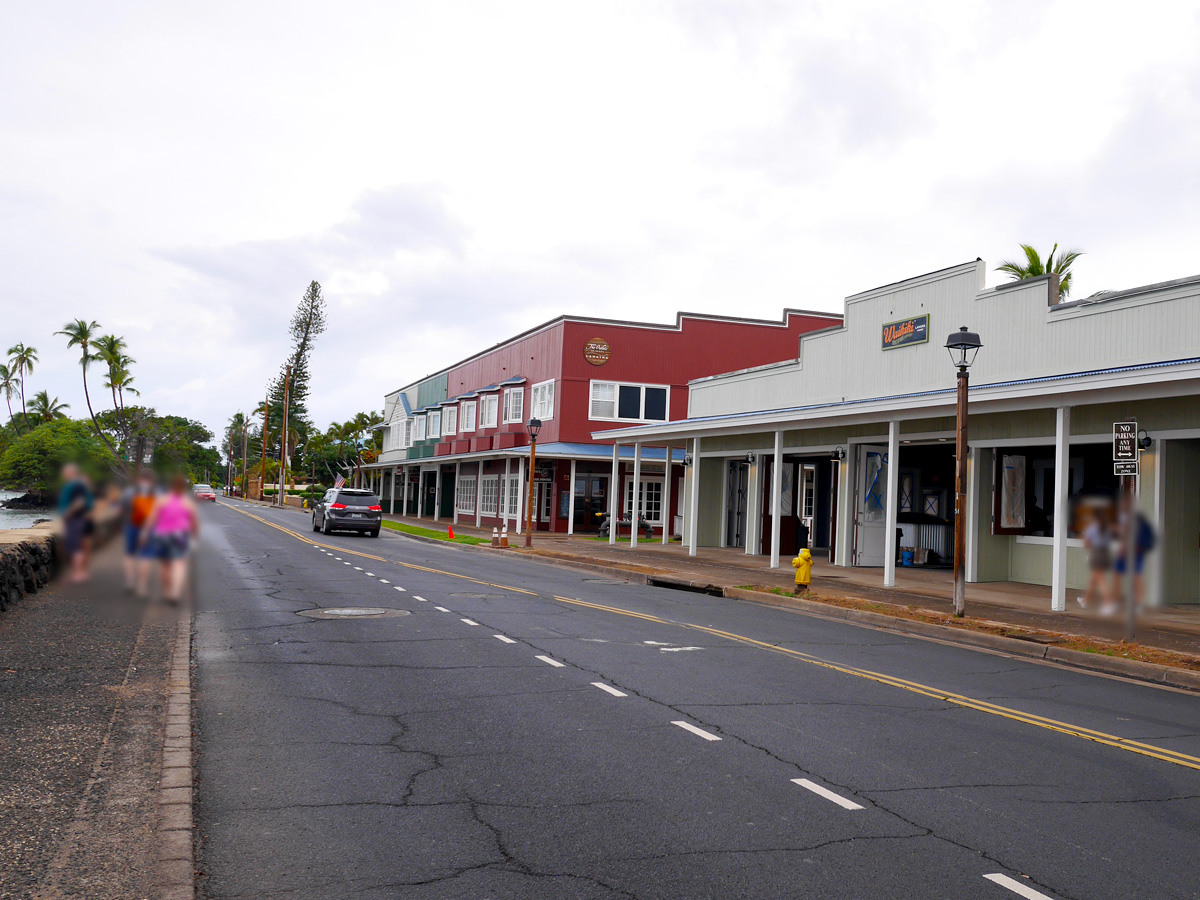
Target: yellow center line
1079,731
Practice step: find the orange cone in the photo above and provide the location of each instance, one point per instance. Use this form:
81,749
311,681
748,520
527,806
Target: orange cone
451,533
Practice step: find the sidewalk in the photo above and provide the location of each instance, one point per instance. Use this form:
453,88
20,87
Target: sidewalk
1175,629
83,699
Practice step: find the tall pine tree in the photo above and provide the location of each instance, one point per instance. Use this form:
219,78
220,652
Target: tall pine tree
307,323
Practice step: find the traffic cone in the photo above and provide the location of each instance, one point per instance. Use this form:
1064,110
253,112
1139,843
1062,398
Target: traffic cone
451,529
504,536
495,536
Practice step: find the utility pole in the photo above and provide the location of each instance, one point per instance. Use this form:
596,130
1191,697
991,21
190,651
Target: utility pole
262,478
229,468
283,450
245,449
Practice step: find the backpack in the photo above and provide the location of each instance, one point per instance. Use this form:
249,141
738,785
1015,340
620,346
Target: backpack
1145,536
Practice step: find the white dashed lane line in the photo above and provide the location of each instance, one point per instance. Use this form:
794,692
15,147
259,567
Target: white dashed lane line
358,568
696,731
1016,887
400,589
827,794
501,637
441,609
369,574
384,581
422,599
468,621
550,661
608,689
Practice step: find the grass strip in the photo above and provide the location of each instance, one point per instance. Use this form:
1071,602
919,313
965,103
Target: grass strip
431,533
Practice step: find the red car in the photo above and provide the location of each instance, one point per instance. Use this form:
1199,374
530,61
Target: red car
204,492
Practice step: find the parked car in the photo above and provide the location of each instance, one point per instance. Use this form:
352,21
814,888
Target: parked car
347,509
204,492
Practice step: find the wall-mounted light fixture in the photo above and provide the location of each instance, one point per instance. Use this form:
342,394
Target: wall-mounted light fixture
839,453
687,459
750,457
1143,440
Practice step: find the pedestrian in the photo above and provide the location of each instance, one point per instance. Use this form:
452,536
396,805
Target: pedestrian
136,505
75,503
169,531
1097,540
1143,542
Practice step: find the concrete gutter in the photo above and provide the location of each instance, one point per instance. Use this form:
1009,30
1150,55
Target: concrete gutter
176,860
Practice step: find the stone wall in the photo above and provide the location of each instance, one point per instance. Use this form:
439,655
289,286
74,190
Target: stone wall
29,558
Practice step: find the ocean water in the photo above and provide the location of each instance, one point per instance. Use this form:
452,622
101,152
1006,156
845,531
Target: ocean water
19,518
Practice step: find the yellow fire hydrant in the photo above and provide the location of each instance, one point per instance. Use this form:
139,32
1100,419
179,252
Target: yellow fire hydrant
803,565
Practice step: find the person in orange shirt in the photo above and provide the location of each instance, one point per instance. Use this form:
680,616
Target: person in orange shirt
138,502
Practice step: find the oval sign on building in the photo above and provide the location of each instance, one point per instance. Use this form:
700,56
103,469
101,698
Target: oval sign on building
596,351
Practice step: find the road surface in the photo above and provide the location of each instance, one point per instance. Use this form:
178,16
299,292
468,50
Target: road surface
517,730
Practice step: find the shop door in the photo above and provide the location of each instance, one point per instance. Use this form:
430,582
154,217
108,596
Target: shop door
737,483
870,505
808,501
591,502
429,502
543,494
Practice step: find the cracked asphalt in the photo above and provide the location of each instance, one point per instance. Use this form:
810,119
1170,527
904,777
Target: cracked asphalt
421,756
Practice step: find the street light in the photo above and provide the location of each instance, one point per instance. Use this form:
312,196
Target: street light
962,345
534,426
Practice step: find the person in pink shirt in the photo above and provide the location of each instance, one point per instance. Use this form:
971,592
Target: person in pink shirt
168,533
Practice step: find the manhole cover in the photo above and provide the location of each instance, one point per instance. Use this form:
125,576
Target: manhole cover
603,581
353,612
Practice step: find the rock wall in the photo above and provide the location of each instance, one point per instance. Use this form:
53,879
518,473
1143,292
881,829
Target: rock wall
29,558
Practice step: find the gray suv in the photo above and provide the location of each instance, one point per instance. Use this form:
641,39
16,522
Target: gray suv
347,509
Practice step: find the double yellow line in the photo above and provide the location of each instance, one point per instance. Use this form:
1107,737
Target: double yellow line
1088,734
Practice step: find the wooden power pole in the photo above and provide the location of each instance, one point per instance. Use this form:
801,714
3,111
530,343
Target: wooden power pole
262,477
283,449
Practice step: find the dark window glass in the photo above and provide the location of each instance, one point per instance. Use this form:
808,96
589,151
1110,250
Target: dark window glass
629,402
656,404
358,498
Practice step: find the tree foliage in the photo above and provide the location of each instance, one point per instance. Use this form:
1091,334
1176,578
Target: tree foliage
1033,266
34,460
307,324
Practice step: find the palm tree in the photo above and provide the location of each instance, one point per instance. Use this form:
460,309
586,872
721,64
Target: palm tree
22,360
8,387
1033,266
45,409
111,350
79,334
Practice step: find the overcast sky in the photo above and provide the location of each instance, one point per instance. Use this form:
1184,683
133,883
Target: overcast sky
453,173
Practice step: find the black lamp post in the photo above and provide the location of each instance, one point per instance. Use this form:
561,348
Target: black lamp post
963,345
534,426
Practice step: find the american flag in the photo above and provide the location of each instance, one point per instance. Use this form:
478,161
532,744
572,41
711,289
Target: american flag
339,482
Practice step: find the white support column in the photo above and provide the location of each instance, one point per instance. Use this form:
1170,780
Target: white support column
571,503
504,490
973,475
437,493
520,493
1062,487
635,503
420,491
457,482
893,505
754,492
776,498
666,499
404,492
613,490
694,499
479,496
392,496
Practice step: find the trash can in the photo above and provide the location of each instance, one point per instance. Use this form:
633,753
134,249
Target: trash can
906,557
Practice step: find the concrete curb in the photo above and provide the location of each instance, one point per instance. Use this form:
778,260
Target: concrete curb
176,864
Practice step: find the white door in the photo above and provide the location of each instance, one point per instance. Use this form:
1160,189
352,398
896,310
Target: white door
870,505
543,496
808,500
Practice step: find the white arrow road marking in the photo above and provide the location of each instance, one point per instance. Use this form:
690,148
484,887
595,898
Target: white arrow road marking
553,662
608,689
1016,887
698,731
501,637
827,794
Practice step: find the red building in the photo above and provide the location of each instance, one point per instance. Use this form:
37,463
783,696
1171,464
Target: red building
456,444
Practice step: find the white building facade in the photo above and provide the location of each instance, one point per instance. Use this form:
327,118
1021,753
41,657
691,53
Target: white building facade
853,441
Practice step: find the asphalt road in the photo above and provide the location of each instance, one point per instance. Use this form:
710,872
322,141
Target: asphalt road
497,741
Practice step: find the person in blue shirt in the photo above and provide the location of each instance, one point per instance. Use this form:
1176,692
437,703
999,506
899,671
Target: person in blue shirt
75,502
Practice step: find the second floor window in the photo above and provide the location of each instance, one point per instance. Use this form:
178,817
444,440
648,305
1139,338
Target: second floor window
435,425
489,407
420,429
629,402
449,420
514,405
467,411
542,401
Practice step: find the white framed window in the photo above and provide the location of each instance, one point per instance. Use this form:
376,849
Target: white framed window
408,434
420,432
434,426
467,412
450,420
489,501
652,498
489,407
464,497
616,401
514,405
542,401
512,495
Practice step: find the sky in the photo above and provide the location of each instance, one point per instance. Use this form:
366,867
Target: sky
453,173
